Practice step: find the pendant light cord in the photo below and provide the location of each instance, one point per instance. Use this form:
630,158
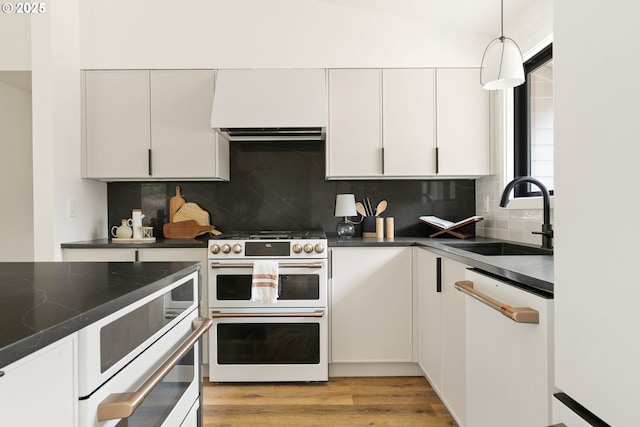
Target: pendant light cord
501,19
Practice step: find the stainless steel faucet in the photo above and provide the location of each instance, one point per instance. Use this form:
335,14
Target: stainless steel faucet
547,229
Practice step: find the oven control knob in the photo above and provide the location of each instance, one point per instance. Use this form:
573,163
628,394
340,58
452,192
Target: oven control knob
214,249
237,248
319,248
297,248
226,248
308,248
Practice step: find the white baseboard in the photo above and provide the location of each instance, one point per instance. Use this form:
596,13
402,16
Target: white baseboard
375,370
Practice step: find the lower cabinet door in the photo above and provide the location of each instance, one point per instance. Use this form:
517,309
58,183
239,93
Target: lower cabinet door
40,389
371,300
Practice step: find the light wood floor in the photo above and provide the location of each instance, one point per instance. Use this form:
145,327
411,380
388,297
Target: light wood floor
370,401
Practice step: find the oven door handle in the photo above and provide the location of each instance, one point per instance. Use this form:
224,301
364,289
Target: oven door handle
218,315
123,405
281,265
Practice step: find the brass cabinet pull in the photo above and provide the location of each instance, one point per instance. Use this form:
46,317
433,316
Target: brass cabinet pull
123,405
281,265
517,314
219,315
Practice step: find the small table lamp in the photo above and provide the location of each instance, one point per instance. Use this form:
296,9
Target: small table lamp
345,207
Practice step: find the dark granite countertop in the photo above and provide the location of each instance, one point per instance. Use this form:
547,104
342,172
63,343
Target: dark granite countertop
534,271
42,302
159,243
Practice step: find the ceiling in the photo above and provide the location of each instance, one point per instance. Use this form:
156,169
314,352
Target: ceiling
478,16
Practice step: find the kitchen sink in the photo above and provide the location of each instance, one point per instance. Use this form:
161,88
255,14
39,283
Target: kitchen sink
500,248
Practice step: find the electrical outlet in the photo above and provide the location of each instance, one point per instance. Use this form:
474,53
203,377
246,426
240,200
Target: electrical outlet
72,207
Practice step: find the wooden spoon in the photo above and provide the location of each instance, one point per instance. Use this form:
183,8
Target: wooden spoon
382,206
360,209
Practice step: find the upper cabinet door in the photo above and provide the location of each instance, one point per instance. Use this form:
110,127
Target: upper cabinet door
408,122
354,138
464,147
117,124
182,140
152,125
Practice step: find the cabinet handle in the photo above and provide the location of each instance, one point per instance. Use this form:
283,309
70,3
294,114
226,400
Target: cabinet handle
281,265
123,405
149,159
517,314
218,315
437,160
438,274
382,158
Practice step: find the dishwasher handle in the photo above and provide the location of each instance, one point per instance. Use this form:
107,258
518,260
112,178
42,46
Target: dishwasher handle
517,314
123,405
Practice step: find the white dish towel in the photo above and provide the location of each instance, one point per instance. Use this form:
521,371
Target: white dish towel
264,282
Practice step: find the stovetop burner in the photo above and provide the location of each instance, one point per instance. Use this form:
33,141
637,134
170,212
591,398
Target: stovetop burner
271,235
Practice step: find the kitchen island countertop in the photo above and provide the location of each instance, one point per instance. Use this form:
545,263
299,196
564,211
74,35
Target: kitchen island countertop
43,302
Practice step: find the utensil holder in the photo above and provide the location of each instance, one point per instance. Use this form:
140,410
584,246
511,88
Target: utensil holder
369,226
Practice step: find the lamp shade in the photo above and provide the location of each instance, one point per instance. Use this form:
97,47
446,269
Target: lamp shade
502,65
345,205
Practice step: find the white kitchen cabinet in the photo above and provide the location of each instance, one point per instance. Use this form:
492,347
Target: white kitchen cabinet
408,122
117,115
463,123
441,329
183,144
151,125
99,255
454,372
40,389
428,267
371,305
508,363
354,135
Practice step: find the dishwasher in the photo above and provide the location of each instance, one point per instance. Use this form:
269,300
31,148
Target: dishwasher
508,353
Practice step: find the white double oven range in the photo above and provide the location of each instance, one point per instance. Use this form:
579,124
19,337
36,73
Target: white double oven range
254,341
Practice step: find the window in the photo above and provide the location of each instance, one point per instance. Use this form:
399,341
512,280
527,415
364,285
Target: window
533,124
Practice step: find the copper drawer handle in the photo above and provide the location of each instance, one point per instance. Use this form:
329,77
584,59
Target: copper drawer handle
219,315
517,314
123,405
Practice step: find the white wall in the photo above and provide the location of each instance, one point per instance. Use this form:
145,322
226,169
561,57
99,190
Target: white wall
15,41
16,215
532,29
263,34
56,137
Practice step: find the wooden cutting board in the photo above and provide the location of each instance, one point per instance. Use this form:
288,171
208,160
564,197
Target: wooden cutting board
191,211
175,203
186,230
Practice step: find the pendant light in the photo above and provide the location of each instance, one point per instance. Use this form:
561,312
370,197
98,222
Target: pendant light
502,62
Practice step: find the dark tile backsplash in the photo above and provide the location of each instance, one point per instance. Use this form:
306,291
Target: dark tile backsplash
281,186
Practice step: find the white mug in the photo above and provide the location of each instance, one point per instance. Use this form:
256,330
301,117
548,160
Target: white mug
136,219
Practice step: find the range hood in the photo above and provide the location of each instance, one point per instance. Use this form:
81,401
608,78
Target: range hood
270,105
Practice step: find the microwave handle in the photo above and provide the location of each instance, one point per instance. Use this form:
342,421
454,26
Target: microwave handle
280,265
123,405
